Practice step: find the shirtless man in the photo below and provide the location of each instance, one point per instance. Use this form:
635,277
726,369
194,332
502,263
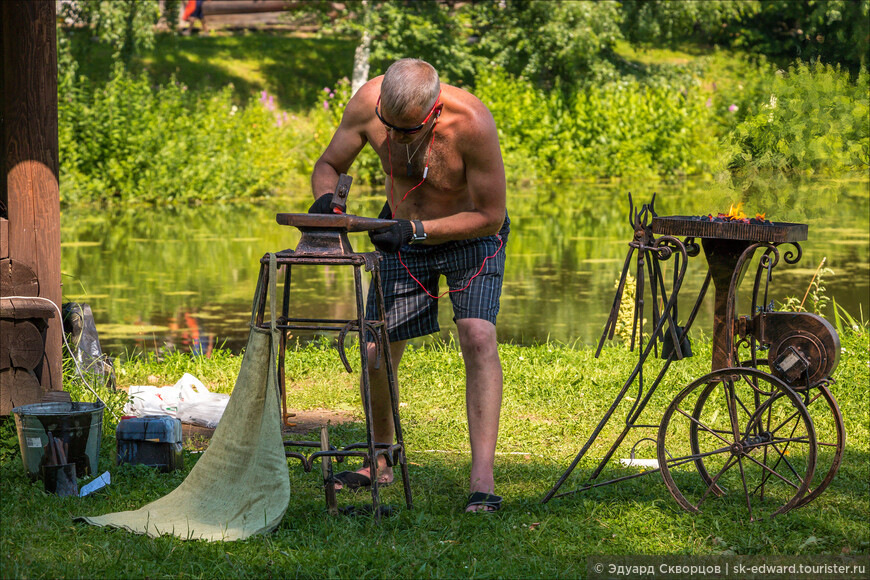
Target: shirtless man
445,184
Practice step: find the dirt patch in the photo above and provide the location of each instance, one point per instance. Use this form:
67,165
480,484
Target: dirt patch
306,421
196,437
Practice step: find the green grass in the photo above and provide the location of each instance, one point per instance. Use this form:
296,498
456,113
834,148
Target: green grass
554,395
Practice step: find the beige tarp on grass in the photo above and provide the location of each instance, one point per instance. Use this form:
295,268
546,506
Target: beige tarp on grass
240,485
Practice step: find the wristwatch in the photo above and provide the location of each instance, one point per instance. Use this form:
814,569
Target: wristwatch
419,233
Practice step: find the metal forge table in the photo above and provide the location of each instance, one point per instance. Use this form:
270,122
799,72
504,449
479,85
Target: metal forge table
324,242
745,428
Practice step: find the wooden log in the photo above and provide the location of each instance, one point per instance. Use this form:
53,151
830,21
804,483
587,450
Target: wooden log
18,387
216,7
4,238
26,345
17,279
28,98
21,308
7,327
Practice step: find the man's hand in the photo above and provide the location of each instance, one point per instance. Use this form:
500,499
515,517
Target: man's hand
391,238
322,204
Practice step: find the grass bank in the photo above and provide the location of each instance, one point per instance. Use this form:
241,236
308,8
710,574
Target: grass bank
554,395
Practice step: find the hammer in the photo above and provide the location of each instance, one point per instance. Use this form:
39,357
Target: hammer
339,198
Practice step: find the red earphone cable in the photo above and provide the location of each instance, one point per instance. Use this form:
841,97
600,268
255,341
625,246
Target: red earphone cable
393,214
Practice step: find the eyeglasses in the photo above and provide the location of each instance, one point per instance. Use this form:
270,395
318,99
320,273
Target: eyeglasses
404,130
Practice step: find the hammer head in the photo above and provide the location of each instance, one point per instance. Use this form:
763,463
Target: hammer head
339,197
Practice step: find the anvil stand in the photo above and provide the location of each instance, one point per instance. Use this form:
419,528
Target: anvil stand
324,242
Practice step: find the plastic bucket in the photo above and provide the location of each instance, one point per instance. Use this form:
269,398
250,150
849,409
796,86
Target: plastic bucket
80,425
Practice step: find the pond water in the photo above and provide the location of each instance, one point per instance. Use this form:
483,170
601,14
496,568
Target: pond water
184,277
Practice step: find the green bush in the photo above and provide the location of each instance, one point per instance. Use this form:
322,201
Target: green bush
129,139
132,141
367,167
835,31
812,118
617,129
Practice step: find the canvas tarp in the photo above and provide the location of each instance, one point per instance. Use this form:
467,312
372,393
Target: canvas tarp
240,485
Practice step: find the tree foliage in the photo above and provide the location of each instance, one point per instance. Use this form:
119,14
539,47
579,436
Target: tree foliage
432,31
835,31
537,39
666,21
126,25
545,41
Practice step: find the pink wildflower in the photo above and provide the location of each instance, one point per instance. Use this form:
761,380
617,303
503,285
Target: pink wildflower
732,107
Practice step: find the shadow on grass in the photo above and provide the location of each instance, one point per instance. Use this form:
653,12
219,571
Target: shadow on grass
293,68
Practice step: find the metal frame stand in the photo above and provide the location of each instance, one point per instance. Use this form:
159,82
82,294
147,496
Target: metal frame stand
368,331
803,352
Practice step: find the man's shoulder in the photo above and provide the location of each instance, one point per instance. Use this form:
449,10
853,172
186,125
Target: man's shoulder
473,115
463,100
360,107
371,90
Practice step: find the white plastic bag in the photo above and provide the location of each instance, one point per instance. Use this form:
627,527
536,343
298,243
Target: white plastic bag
188,399
197,405
150,400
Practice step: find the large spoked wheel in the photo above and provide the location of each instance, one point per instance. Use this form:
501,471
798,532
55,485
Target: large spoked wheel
830,433
830,438
749,437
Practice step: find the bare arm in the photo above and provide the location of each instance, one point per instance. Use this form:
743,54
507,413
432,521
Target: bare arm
484,173
348,141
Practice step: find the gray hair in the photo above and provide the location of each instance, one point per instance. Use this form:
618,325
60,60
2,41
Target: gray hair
409,84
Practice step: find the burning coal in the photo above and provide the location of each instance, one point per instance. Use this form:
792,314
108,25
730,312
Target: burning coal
736,214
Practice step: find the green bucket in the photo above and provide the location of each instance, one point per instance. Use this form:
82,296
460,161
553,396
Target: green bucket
79,425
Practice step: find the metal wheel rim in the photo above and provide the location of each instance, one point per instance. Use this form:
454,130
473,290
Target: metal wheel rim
711,382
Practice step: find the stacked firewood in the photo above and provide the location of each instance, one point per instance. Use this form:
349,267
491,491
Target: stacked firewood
23,326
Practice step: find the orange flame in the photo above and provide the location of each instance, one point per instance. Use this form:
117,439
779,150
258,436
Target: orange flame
736,213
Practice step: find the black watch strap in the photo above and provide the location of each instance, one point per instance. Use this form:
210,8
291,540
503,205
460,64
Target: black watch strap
419,233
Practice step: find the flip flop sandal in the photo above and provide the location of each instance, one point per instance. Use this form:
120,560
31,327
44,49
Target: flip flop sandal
353,481
487,500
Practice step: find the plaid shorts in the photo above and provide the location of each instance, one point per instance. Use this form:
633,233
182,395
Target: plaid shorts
411,312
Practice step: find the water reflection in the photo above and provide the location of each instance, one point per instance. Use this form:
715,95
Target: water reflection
185,277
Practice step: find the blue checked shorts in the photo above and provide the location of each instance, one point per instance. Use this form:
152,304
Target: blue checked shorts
411,312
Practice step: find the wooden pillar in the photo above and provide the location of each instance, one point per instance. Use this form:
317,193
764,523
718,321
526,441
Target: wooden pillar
28,141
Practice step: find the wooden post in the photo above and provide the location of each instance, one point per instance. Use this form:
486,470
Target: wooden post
28,140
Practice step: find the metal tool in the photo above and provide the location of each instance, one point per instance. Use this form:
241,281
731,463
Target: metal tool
339,196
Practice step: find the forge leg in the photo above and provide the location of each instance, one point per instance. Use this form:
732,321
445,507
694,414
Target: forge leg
722,259
366,391
392,384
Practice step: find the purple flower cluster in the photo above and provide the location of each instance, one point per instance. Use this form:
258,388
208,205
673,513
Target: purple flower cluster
268,101
330,94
